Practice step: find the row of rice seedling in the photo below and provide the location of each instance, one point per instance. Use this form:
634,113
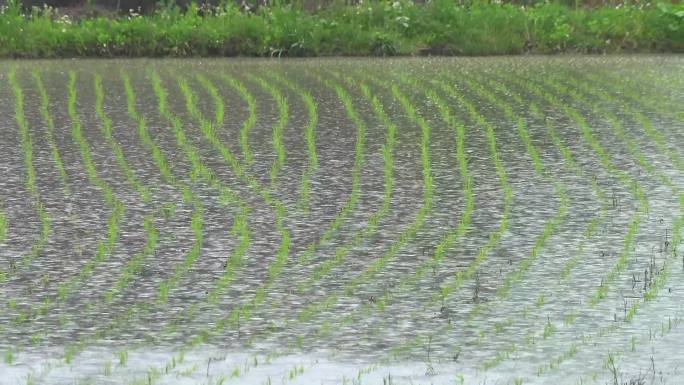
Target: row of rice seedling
639,158
35,199
551,224
27,148
198,170
240,313
278,207
137,309
143,134
644,121
278,128
105,249
570,163
251,120
243,313
625,179
587,234
469,273
67,287
548,229
309,137
633,147
240,225
407,234
107,131
50,130
374,219
493,239
388,168
410,280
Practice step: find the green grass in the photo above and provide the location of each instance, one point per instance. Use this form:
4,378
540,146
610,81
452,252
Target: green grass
369,28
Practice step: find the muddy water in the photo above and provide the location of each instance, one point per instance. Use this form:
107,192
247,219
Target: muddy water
374,280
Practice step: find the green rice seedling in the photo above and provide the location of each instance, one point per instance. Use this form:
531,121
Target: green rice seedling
629,183
27,147
50,128
250,121
464,222
406,235
353,200
278,127
628,238
539,168
548,230
309,137
105,248
494,237
3,232
657,138
373,221
579,172
572,164
133,266
123,357
625,179
9,356
157,155
116,147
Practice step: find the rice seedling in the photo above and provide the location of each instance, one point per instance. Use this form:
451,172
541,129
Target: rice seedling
27,147
309,137
116,147
628,239
3,233
315,291
157,155
623,177
278,127
312,309
104,248
539,168
250,121
454,234
50,128
568,157
495,236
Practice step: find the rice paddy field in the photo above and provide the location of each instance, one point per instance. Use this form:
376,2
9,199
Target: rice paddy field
342,221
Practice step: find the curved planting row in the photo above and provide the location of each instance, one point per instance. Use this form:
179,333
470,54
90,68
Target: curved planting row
421,268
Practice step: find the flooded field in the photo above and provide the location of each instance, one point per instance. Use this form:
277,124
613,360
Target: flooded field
414,221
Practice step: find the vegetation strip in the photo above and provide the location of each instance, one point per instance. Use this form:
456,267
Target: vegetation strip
278,127
375,29
309,137
588,234
50,129
107,130
629,239
408,281
251,120
406,235
35,200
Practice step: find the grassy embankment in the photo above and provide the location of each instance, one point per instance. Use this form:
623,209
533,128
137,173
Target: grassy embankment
374,28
